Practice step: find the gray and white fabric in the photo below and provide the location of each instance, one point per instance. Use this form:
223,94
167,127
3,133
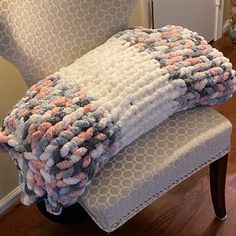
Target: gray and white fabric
40,36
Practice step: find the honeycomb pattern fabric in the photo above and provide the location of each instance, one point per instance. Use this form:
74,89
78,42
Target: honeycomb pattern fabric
40,36
155,163
68,125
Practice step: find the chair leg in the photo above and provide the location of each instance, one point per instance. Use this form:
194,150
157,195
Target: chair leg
217,181
70,215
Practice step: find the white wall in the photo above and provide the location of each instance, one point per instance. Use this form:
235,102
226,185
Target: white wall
12,87
140,14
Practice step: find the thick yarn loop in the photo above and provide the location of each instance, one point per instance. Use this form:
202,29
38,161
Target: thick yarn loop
70,124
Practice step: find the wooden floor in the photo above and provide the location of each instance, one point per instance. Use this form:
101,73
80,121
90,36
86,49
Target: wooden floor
186,210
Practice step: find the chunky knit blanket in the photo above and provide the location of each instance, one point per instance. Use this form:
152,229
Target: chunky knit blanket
67,126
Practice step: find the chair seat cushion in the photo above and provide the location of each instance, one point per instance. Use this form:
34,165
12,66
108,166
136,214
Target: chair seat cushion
155,163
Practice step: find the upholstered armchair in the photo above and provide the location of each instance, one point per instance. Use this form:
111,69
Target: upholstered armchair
40,36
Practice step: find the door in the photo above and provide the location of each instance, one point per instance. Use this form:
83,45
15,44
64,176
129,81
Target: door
197,15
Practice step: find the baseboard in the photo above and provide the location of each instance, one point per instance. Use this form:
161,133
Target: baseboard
226,26
9,199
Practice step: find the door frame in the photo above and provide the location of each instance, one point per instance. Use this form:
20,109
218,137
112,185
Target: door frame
219,19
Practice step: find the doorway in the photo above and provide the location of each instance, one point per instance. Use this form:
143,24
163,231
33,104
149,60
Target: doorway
203,16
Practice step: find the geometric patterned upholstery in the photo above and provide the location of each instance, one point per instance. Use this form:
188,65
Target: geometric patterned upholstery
40,36
155,163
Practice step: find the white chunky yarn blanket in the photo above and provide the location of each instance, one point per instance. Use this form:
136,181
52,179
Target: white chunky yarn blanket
68,125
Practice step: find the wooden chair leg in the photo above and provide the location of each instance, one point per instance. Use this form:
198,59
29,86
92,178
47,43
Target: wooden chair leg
217,181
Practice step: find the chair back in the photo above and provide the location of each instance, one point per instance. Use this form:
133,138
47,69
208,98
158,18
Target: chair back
40,36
